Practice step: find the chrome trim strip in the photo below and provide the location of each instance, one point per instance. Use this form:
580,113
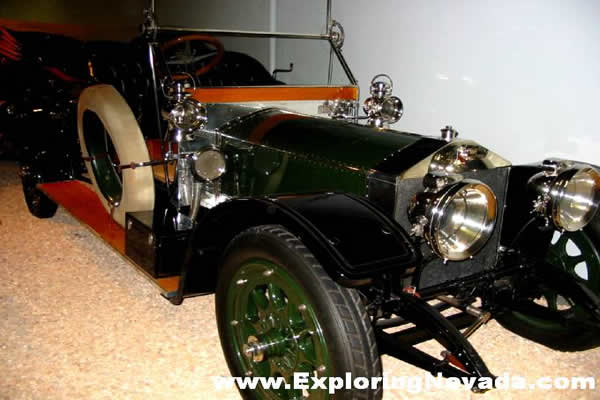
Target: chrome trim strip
226,32
328,16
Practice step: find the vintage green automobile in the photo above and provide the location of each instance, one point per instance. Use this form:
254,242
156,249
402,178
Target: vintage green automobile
316,227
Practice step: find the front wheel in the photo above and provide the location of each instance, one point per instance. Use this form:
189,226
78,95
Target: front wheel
552,319
280,315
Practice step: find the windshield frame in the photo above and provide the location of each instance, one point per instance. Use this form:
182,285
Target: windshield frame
273,35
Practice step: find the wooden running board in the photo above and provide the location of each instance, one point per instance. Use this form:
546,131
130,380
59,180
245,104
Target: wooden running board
80,200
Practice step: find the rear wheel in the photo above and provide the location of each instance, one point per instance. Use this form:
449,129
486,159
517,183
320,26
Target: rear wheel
38,203
280,314
553,319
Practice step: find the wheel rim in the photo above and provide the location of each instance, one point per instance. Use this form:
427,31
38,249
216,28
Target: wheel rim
586,257
574,253
274,329
104,157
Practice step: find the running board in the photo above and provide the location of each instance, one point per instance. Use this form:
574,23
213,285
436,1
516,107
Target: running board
80,200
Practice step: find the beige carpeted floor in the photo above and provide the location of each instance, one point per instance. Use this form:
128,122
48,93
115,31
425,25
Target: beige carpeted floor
77,321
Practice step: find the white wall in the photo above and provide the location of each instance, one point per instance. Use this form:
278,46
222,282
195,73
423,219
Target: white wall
305,16
521,77
222,14
215,14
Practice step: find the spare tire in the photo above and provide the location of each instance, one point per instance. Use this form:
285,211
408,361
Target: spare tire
109,136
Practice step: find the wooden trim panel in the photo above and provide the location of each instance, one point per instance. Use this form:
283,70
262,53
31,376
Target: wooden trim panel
82,202
274,93
170,284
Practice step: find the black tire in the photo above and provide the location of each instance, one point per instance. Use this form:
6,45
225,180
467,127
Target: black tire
545,323
571,339
38,203
339,311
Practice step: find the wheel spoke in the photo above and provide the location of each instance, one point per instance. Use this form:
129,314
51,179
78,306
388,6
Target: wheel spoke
561,244
307,350
288,359
310,370
572,262
246,328
282,392
552,300
303,334
259,298
261,369
276,297
252,311
293,316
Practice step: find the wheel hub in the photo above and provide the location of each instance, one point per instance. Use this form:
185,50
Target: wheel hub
274,325
254,350
258,348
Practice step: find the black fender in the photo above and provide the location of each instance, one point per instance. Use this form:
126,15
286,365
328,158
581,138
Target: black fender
351,238
47,148
44,120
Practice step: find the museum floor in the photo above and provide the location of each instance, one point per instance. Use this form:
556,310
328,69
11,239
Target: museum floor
77,321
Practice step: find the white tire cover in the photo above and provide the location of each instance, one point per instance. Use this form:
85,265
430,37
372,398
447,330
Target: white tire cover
118,120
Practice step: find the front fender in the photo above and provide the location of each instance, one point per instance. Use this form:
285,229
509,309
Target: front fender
350,237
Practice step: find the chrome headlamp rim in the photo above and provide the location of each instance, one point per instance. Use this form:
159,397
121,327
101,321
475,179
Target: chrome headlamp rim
558,192
207,150
437,211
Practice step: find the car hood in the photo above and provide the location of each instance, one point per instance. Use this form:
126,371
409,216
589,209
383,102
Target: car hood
332,141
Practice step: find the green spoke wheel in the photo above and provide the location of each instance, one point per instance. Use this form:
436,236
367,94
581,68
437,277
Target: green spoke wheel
551,318
280,314
273,324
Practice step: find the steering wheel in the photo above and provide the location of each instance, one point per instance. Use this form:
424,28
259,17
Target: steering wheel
202,38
